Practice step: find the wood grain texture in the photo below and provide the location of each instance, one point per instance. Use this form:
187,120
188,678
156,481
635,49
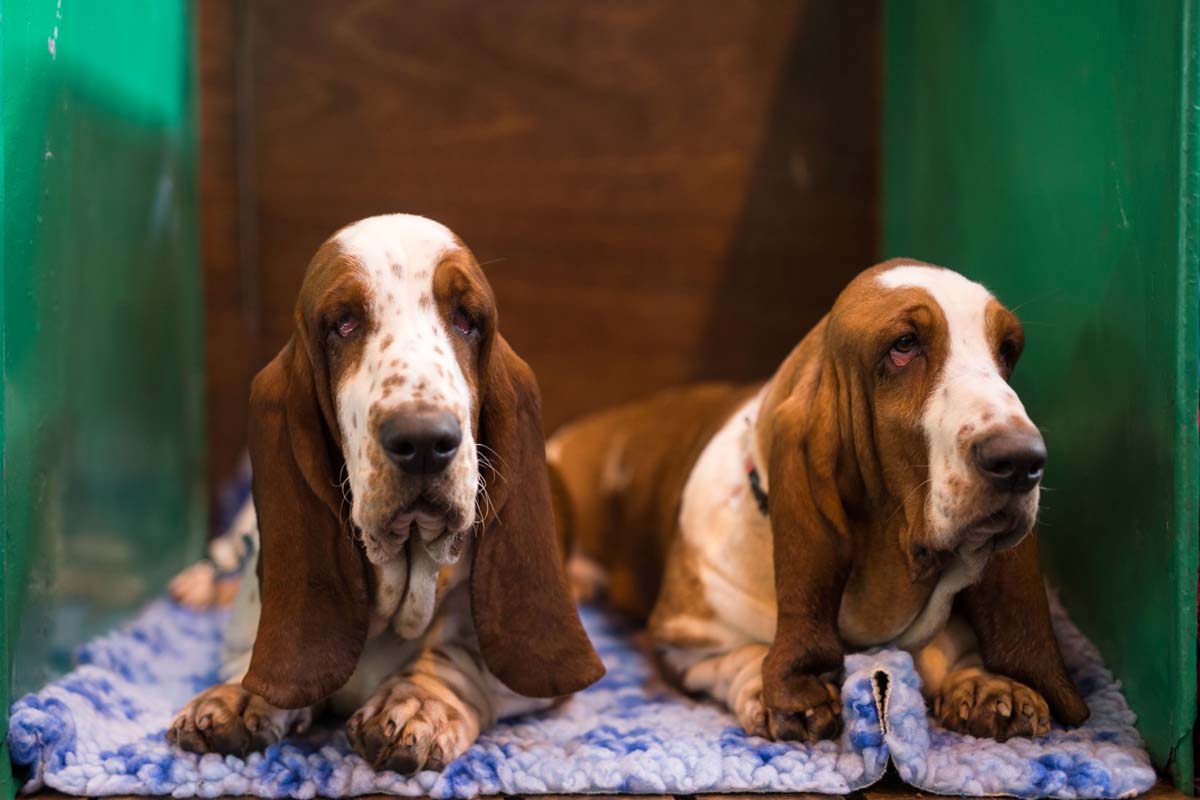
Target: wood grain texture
665,190
229,311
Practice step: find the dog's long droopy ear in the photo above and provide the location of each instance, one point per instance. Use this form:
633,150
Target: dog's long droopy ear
528,629
311,573
801,444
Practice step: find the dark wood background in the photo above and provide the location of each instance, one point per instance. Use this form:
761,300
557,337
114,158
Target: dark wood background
666,190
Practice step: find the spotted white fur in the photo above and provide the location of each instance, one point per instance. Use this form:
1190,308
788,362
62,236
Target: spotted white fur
399,254
408,361
421,660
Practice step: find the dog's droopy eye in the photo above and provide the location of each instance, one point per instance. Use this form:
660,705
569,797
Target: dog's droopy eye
462,323
904,350
346,325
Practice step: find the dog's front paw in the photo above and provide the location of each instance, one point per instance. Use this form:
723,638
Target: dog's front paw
229,720
406,728
813,712
976,702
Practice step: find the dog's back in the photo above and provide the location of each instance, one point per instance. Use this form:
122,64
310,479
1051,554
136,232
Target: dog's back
620,475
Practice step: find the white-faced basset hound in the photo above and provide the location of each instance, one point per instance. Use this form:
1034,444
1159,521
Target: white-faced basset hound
880,489
394,433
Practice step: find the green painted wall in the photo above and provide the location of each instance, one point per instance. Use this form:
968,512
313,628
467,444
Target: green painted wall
1048,148
101,417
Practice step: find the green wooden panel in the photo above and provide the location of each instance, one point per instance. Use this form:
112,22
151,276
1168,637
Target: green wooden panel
101,417
1049,150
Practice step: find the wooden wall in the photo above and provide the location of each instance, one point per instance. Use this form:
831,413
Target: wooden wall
664,190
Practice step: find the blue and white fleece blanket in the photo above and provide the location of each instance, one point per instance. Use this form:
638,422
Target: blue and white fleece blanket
99,731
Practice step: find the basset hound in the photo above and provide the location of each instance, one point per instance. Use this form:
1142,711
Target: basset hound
409,571
880,489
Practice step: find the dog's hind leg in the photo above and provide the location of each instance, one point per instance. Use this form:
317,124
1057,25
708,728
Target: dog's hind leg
733,679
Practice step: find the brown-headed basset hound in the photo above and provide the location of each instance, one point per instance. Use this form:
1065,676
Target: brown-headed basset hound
409,573
880,489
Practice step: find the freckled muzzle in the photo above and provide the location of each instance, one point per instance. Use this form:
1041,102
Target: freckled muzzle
420,484
419,505
1008,464
984,494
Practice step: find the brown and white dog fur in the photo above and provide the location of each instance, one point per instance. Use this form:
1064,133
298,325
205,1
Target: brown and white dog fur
893,517
409,570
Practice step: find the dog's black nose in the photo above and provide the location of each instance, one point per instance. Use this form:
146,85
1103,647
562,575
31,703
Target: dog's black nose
421,443
1012,461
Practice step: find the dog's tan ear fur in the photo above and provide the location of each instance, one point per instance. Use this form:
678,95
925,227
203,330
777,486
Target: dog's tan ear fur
529,632
312,574
801,445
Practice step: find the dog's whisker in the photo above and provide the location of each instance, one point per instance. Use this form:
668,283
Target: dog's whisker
344,485
486,450
904,500
483,502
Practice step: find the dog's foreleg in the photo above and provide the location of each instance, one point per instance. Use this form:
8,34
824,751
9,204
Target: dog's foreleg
428,712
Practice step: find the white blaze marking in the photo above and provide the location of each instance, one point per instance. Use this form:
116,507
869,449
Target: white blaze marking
970,392
399,254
